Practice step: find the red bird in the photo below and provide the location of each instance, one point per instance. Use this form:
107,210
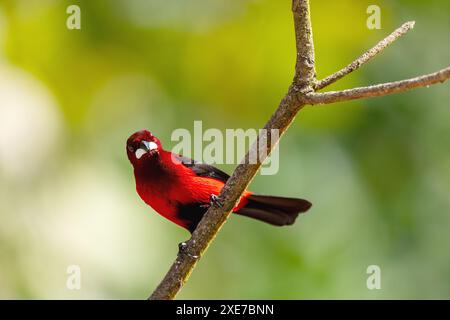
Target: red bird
181,189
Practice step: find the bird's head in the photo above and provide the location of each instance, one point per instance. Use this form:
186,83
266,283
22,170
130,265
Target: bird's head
142,146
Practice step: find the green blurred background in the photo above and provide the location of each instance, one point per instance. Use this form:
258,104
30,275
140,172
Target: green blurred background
377,171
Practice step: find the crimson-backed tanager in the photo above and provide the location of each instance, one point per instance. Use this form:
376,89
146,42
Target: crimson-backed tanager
181,189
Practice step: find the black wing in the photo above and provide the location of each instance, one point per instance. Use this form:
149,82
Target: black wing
204,170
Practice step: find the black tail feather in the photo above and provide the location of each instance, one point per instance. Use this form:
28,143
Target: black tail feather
278,211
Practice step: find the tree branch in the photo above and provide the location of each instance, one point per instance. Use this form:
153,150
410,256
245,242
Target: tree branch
216,216
305,71
366,56
378,90
299,94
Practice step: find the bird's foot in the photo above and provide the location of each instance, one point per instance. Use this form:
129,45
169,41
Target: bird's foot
214,200
182,249
182,246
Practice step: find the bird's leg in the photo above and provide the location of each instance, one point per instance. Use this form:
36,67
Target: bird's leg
215,200
182,249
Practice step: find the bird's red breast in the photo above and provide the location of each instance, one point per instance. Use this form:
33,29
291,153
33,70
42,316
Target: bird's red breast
167,184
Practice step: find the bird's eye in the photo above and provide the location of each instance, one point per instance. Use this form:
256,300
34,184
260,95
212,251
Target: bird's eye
130,148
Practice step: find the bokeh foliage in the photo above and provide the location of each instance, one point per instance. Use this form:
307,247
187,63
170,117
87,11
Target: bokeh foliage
377,171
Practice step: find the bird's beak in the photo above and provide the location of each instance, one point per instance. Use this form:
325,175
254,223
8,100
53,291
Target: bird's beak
145,147
148,146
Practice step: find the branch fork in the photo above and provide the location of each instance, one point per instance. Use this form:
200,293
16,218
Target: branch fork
303,91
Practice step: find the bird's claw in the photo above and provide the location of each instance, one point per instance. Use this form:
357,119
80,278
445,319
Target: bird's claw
215,200
182,246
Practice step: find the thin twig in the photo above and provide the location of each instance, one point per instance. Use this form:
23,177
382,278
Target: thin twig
305,71
366,56
378,90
